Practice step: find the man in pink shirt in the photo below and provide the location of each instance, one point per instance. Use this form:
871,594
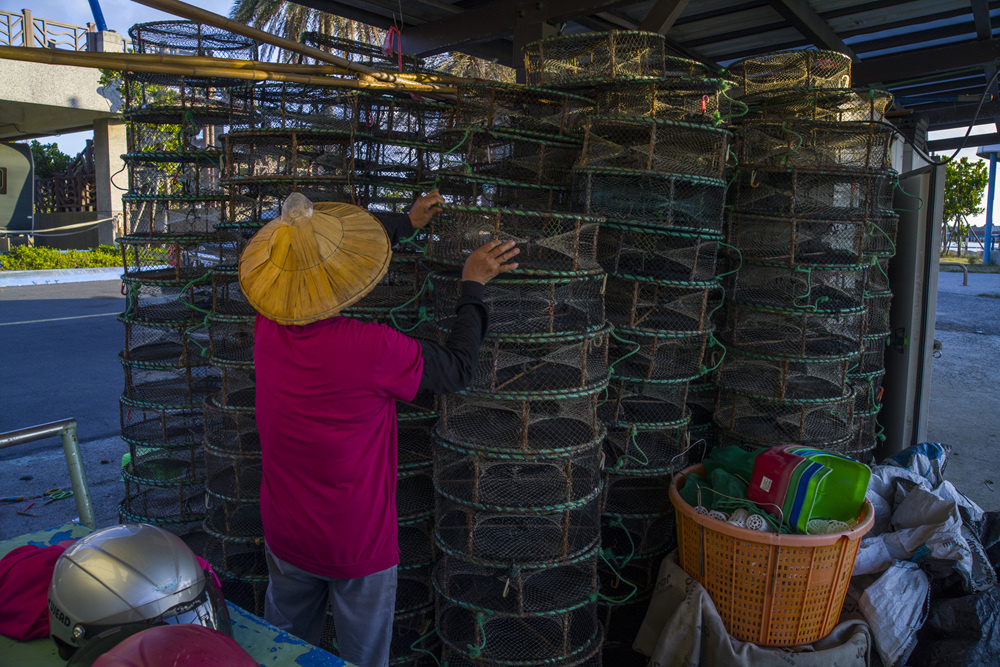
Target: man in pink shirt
327,388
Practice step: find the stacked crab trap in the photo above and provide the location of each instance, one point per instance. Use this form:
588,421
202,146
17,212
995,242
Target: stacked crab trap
652,169
810,231
517,455
173,203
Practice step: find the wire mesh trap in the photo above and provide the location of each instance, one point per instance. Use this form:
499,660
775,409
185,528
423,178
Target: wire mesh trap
637,497
169,388
186,179
190,38
165,487
873,353
401,286
549,242
826,288
155,427
793,331
286,106
356,51
536,366
781,378
881,240
797,241
644,355
414,493
507,155
814,144
170,345
258,154
156,98
255,202
877,306
598,56
867,390
484,191
413,435
701,403
528,305
650,144
633,546
167,259
867,435
242,570
499,535
805,68
517,615
230,338
529,426
171,215
644,304
234,520
519,109
843,105
683,99
646,450
804,421
231,429
646,405
832,195
516,482
657,253
166,303
651,199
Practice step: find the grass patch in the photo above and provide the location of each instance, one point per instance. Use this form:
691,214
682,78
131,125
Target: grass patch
972,261
30,258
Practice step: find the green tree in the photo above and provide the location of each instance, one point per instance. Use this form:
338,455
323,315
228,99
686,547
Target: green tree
48,159
964,184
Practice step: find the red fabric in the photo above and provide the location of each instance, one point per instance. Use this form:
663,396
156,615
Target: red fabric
25,575
326,414
184,645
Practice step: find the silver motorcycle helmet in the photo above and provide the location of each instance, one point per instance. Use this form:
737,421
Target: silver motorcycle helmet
126,575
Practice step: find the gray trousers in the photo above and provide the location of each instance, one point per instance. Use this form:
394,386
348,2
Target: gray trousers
296,602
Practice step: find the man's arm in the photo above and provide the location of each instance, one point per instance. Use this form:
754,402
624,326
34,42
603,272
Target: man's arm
452,367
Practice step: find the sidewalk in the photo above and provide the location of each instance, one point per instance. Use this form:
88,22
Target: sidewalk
54,276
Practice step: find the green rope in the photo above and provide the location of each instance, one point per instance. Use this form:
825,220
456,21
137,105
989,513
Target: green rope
477,650
421,312
714,342
899,187
610,600
620,463
784,126
638,346
872,226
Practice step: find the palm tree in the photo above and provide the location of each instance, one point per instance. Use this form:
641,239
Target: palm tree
290,20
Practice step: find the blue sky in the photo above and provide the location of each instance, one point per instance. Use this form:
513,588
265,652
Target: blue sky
120,15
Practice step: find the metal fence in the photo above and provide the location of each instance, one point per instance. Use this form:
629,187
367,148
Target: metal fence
26,30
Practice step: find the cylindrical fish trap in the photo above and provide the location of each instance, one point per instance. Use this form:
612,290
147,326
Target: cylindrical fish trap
781,377
699,100
520,306
288,106
804,421
651,199
168,259
644,450
660,254
877,306
550,242
793,331
519,109
778,239
873,353
769,72
654,306
816,144
644,355
881,240
486,191
655,145
504,615
843,105
644,403
832,195
598,56
505,154
867,390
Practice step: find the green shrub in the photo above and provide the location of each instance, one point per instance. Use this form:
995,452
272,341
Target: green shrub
25,258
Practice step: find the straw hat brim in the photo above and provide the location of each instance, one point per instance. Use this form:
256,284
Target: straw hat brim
297,274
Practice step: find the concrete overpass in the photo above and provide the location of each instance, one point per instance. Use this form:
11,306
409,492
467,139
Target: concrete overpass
38,100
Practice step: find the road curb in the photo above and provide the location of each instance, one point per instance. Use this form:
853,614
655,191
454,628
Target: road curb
56,276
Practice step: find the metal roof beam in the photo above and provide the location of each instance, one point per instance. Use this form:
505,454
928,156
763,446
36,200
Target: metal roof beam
496,18
662,16
972,141
925,61
981,17
805,19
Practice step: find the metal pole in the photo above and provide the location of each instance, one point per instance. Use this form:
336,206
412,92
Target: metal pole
988,234
74,461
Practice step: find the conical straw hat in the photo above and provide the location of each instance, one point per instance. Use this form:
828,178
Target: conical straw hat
314,261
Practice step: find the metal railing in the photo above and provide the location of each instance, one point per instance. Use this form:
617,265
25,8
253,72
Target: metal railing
965,271
74,460
26,30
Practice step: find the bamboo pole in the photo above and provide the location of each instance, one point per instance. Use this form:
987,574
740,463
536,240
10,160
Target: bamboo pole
193,13
130,63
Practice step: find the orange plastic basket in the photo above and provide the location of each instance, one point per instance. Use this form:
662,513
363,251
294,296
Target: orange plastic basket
770,589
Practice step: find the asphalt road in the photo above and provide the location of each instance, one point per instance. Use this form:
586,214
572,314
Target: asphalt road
59,348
